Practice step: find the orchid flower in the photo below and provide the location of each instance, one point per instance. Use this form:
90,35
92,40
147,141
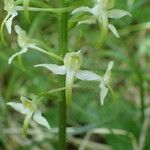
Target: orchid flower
29,108
101,12
25,43
11,8
71,68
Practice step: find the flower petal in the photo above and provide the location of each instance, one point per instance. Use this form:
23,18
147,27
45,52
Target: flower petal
106,77
88,21
103,92
9,21
69,85
54,68
87,75
81,9
37,117
17,54
113,29
27,121
18,107
118,13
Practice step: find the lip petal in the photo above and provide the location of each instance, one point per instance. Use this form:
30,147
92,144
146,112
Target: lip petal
27,122
69,85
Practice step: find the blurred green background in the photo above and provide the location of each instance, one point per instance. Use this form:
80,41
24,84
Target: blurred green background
130,82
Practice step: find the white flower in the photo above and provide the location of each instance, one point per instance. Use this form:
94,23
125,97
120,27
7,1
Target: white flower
29,108
11,8
101,11
71,68
25,43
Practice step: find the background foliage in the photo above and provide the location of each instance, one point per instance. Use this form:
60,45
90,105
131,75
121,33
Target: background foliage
130,81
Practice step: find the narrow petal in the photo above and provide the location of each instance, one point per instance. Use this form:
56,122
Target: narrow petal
114,30
18,107
108,72
9,21
17,54
118,13
87,75
37,117
103,92
27,122
55,69
69,85
105,81
81,9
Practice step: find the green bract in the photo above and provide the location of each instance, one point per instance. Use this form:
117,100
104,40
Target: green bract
71,69
101,12
29,108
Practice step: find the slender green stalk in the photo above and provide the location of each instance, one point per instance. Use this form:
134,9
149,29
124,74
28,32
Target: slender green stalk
141,86
63,47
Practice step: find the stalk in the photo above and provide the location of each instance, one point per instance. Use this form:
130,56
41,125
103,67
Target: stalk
63,47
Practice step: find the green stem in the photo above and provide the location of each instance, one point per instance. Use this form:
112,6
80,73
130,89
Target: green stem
52,10
63,47
141,86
